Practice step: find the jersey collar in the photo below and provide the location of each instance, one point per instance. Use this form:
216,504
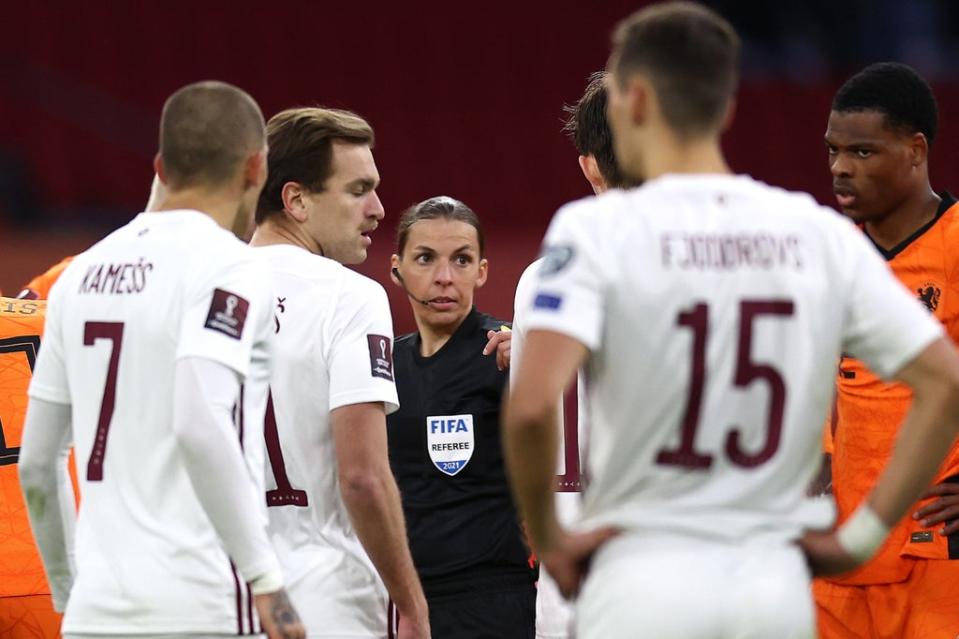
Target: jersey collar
470,323
948,201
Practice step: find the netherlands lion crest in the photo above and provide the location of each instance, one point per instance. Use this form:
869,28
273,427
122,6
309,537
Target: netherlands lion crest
929,294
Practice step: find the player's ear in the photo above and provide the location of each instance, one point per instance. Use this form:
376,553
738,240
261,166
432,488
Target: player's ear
395,269
919,149
294,204
639,98
262,168
728,116
158,168
590,169
254,170
483,272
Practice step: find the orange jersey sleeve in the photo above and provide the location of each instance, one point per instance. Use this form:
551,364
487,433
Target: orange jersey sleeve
869,411
21,329
39,287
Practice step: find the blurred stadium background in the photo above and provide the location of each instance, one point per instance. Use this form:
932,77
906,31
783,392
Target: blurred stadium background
465,99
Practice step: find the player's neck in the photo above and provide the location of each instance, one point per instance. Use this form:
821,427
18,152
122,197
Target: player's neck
914,213
220,206
676,156
433,338
274,230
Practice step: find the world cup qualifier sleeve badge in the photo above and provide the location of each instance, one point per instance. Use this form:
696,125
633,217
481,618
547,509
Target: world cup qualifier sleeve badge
450,441
227,313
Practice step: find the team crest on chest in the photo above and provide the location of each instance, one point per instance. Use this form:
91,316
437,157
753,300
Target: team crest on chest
450,442
930,294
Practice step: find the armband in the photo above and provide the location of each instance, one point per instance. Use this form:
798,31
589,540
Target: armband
862,534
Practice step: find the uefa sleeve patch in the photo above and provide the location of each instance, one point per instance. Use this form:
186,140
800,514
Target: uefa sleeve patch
381,356
547,301
555,259
227,313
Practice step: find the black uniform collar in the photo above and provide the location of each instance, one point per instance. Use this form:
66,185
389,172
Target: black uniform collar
470,323
947,202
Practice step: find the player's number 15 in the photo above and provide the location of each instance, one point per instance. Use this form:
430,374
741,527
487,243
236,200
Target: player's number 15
747,371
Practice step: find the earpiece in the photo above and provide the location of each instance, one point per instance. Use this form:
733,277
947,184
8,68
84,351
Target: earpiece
396,273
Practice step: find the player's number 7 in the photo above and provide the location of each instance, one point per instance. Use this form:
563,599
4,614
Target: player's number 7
113,331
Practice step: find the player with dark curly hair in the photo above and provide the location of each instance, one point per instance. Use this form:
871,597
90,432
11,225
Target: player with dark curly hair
882,124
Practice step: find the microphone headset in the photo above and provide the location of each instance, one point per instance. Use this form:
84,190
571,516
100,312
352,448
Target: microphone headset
399,278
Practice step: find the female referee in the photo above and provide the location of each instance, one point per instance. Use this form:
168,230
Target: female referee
444,441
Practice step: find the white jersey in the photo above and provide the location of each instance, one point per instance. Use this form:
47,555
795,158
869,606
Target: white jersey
715,308
333,348
572,413
166,286
554,614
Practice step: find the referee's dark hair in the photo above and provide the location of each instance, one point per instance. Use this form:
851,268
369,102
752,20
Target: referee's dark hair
691,56
441,206
587,127
895,90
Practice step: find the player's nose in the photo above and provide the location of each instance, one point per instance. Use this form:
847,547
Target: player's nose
375,208
840,166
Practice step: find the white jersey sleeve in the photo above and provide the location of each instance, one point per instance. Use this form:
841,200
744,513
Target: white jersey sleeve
554,614
223,312
361,347
49,380
571,282
48,493
204,399
522,301
884,325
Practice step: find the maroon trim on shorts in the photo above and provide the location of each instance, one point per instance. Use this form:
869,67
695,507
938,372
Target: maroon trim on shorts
239,599
249,600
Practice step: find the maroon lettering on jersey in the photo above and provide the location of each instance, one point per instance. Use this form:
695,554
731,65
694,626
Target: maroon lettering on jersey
227,313
381,356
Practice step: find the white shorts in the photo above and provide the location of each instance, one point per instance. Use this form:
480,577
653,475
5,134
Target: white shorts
554,614
666,588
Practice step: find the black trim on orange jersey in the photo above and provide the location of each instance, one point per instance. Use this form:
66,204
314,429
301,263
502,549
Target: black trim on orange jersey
947,202
29,345
954,537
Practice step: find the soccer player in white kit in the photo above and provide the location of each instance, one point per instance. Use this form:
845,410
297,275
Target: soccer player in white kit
334,508
156,355
589,131
708,310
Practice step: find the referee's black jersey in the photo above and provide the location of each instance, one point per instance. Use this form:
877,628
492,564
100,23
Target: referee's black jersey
444,445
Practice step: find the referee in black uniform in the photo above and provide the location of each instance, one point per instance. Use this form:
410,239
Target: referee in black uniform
444,441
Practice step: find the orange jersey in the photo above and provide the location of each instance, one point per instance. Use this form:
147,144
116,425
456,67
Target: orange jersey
21,327
870,411
39,287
